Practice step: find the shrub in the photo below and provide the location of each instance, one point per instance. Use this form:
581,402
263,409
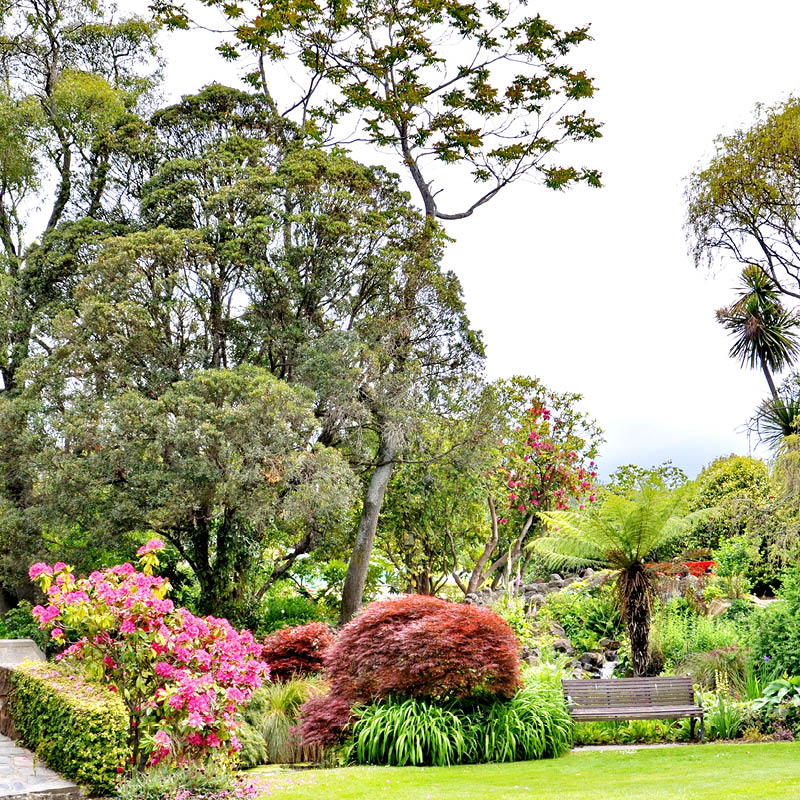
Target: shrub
324,720
79,729
270,718
533,724
727,664
677,633
182,678
775,633
587,615
19,623
297,651
421,646
183,783
285,612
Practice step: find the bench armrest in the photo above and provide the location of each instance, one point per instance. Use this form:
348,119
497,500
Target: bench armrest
570,703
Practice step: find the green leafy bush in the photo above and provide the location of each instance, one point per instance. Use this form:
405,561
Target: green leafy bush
533,724
677,633
775,633
18,623
587,615
285,612
635,731
270,717
725,716
77,728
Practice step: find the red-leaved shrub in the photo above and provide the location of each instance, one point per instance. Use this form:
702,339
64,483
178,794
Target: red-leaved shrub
323,720
421,646
412,646
297,651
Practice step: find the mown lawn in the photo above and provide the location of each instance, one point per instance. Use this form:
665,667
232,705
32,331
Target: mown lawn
710,772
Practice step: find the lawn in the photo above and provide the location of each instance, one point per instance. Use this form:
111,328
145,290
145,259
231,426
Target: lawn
711,772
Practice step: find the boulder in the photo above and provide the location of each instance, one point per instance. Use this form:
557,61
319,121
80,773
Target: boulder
563,645
557,630
555,578
718,606
610,644
15,651
610,655
591,660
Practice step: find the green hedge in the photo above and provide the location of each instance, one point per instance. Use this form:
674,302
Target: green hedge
77,728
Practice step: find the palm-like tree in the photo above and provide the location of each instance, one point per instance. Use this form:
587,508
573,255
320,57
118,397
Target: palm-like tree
779,416
619,535
763,330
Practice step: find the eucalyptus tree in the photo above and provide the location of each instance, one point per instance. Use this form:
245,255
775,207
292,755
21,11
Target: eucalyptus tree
476,85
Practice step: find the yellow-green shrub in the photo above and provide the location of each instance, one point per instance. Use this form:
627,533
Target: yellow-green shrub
77,728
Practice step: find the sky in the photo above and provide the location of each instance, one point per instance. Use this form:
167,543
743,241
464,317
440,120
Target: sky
593,291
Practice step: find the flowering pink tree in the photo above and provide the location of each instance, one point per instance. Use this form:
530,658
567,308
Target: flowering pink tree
183,678
543,460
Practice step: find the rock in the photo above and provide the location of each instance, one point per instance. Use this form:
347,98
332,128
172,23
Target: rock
557,630
610,655
610,644
535,588
563,645
555,577
530,655
591,660
587,573
718,606
536,599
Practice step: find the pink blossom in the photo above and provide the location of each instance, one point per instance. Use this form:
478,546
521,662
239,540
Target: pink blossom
127,626
152,546
39,569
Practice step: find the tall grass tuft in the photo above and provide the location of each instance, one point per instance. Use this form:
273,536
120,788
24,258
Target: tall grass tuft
271,716
533,724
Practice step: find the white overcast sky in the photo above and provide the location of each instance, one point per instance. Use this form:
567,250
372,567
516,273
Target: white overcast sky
593,290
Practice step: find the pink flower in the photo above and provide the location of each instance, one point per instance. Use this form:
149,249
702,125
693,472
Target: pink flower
176,701
196,720
127,626
39,569
59,566
153,546
56,633
162,739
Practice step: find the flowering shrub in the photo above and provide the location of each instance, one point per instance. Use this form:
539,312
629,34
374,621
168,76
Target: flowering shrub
297,651
183,679
412,646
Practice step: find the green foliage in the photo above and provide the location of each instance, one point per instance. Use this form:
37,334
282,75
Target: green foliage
783,690
677,633
171,782
285,611
270,717
635,731
713,669
631,478
587,615
724,716
19,623
775,633
734,557
79,729
388,64
533,724
728,477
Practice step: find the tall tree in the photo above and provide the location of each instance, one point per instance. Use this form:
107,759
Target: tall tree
618,535
73,79
764,331
743,205
474,84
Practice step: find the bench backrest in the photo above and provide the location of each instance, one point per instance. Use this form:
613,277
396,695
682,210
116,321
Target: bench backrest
629,692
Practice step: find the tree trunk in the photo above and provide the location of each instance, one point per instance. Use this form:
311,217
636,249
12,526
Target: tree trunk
770,382
634,590
353,590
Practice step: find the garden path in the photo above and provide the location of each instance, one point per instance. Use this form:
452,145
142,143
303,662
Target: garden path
23,776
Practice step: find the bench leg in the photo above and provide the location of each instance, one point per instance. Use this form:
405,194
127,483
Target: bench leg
692,722
702,730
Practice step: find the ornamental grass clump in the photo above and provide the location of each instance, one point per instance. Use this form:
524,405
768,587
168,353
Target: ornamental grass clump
183,679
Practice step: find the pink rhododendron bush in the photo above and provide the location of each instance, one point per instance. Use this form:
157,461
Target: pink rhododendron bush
184,679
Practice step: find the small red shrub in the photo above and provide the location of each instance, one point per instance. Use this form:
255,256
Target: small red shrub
421,646
297,651
323,720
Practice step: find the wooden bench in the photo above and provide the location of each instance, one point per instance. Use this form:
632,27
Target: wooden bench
634,698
